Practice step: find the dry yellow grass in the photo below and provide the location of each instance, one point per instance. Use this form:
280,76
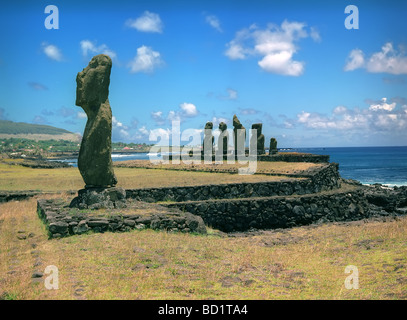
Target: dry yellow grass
15,177
299,263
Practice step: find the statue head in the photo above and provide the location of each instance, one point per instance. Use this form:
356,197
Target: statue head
222,126
209,125
92,83
258,127
236,123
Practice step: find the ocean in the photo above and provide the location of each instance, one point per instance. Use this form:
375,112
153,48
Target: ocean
369,165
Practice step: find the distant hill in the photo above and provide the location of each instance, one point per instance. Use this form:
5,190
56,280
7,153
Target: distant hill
10,129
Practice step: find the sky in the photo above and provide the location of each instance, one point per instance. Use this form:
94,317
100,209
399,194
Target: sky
312,74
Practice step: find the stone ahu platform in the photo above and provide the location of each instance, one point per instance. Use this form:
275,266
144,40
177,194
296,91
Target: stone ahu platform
280,156
62,220
322,196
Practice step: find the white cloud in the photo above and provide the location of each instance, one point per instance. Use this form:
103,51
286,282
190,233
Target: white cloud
282,63
173,116
189,109
276,45
249,111
143,131
158,117
355,60
81,115
161,135
314,34
232,94
383,105
235,51
214,22
88,46
146,60
186,110
52,52
388,60
216,121
237,48
378,117
116,123
119,130
148,22
340,110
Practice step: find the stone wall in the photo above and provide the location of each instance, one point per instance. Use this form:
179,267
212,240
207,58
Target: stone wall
6,196
278,212
62,221
295,157
283,156
318,180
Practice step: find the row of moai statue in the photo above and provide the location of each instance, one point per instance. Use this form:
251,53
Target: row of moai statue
239,137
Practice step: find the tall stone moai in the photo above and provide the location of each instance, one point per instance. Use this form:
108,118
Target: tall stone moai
208,139
92,91
273,146
223,138
95,160
258,139
239,136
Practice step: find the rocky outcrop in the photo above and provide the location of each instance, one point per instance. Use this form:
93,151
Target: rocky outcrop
384,200
98,198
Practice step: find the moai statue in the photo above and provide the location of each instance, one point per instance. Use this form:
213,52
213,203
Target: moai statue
208,139
239,134
273,146
223,138
259,138
94,160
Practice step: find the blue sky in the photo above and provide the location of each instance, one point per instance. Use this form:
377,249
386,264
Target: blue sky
291,65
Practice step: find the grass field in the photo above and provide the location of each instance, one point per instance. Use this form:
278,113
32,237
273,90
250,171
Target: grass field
15,177
300,263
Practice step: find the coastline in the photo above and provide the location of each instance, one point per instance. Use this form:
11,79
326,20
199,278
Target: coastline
386,166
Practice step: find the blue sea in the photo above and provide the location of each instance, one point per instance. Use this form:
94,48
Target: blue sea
369,165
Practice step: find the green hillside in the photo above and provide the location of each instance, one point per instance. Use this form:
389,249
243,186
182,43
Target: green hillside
10,127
